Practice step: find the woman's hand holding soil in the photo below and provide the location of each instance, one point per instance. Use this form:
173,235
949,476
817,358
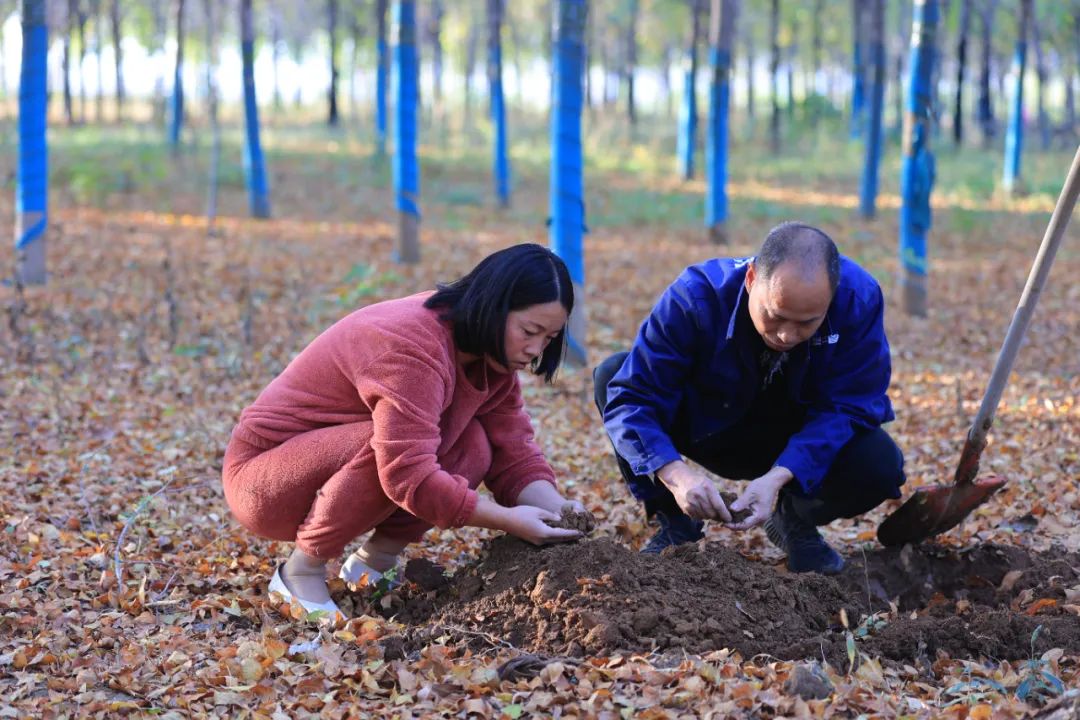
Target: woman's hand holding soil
523,521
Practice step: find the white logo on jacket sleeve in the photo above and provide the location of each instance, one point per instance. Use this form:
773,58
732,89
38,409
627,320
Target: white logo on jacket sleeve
830,339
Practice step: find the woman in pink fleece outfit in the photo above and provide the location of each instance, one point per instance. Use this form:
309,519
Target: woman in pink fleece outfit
391,418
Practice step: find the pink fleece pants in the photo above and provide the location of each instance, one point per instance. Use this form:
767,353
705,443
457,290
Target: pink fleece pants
321,488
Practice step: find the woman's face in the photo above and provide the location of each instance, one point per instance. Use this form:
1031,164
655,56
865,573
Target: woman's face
528,332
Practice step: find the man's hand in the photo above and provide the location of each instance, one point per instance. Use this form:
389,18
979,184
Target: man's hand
760,497
695,493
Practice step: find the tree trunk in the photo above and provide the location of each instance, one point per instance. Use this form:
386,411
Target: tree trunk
1040,87
858,71
275,55
631,60
406,106
774,76
69,110
435,37
298,60
355,35
212,106
177,120
917,174
721,42
382,75
687,144
1014,137
750,83
961,68
81,29
471,40
500,157
160,29
567,222
99,46
254,164
332,26
792,48
32,179
985,103
875,46
118,52
815,60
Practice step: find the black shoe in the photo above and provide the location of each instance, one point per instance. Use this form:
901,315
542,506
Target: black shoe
806,550
674,530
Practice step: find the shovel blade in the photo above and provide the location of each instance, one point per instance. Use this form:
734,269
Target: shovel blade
934,510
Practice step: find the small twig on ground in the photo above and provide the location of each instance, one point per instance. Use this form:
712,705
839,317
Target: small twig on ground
165,591
487,637
739,607
118,566
170,290
866,575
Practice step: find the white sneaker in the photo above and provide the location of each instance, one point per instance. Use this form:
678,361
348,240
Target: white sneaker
277,585
353,569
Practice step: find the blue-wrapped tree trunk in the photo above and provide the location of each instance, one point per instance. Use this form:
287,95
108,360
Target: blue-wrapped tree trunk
567,180
500,156
382,75
1014,138
917,172
254,164
875,46
407,100
176,115
721,37
32,177
858,71
687,140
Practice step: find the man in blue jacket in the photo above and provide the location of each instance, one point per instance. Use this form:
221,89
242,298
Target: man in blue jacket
772,369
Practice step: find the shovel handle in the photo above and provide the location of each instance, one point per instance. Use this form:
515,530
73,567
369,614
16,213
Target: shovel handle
1055,231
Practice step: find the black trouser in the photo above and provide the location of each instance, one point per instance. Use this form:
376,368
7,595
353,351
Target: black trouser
868,469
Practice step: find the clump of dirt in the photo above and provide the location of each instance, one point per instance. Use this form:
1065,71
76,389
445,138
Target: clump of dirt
597,597
570,519
736,515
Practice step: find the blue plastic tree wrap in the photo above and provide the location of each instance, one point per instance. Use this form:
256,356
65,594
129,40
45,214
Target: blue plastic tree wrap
567,181
382,75
254,163
688,120
406,165
176,112
868,188
1014,138
32,176
858,75
500,157
721,36
917,172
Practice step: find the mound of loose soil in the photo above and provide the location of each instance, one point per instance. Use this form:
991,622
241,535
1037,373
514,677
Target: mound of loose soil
597,597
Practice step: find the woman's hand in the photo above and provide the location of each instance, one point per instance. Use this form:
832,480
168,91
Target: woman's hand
543,494
529,523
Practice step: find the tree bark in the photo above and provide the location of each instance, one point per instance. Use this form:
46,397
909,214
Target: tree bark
118,52
69,110
99,45
961,68
985,103
631,60
81,25
435,37
332,118
774,75
1040,86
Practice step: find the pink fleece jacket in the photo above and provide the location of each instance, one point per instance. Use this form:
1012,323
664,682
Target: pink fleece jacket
394,364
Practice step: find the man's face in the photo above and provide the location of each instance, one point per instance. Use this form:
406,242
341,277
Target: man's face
787,308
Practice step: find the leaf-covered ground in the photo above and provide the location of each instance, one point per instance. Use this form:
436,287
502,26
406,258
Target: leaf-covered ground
125,587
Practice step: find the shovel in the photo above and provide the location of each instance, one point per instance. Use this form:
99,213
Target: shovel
933,510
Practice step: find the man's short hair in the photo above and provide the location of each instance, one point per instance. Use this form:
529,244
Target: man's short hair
809,247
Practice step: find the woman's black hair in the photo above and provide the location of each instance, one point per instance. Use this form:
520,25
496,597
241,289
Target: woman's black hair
507,280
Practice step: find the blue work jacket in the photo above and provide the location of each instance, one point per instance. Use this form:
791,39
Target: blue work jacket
691,360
